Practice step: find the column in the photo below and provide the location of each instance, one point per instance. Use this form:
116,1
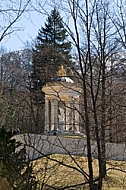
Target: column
77,116
69,115
71,110
46,114
54,115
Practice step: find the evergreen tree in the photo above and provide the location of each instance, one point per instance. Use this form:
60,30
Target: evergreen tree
52,49
14,167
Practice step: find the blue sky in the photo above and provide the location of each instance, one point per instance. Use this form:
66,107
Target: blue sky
30,25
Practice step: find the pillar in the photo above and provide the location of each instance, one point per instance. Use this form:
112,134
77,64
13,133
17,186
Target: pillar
71,110
46,114
54,115
77,115
69,114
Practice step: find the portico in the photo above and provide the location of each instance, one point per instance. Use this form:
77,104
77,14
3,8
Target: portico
62,104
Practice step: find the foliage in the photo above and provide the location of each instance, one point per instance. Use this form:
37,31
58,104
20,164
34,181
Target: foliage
13,165
52,49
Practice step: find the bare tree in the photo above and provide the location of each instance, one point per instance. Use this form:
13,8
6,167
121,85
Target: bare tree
95,49
95,40
10,14
119,21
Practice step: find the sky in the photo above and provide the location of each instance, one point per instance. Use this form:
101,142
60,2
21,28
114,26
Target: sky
30,25
29,30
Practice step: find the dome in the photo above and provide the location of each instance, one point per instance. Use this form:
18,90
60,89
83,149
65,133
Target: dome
61,76
62,79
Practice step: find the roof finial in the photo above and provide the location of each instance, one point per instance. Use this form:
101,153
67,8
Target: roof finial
61,71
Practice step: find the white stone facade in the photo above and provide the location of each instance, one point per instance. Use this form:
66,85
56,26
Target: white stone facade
63,113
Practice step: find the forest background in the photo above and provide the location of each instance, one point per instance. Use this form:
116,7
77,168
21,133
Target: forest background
92,48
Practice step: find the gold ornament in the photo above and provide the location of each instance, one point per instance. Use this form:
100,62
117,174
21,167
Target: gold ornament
61,72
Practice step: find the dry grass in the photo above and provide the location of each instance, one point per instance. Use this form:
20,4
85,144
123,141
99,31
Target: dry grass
4,184
116,178
55,174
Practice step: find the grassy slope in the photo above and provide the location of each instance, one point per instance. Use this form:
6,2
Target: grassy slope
54,174
4,184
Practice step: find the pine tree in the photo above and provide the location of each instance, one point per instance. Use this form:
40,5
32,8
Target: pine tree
14,167
52,49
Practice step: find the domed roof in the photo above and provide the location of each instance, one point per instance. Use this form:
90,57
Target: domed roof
61,76
62,79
